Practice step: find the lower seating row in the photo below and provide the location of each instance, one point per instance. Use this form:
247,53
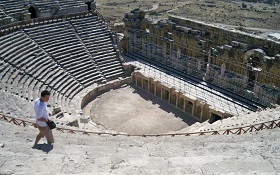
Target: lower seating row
26,70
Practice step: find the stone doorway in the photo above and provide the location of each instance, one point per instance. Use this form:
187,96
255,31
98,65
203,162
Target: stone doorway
189,107
33,12
214,118
89,5
251,80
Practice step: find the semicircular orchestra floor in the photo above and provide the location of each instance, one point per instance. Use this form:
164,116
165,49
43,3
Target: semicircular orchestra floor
135,111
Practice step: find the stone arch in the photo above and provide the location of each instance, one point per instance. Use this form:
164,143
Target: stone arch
33,12
189,107
248,54
255,57
255,60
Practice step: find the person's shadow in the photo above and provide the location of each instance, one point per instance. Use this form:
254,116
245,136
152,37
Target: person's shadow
44,147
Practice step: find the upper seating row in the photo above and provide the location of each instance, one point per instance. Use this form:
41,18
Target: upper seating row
64,46
99,42
12,7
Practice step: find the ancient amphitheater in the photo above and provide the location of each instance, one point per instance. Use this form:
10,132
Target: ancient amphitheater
174,96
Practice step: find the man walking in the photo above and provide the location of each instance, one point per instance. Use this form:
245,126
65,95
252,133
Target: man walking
42,117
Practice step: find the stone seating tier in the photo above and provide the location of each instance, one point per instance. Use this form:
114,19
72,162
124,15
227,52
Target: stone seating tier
63,57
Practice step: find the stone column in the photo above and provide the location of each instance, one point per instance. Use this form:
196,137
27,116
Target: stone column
143,50
209,56
130,42
164,53
207,75
184,107
199,65
134,42
201,114
149,47
136,80
193,108
223,69
132,77
257,75
128,39
169,98
178,53
204,112
149,84
155,89
170,52
177,99
115,36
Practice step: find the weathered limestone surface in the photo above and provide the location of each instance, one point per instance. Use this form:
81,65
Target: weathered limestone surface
191,35
256,153
235,121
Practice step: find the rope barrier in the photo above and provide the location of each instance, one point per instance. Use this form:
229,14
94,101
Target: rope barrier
232,131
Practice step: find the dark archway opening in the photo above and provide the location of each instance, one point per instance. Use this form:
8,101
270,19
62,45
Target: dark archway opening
251,80
89,5
32,10
165,95
189,107
214,118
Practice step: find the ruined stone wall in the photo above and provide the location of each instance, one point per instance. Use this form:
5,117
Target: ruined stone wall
232,47
221,36
192,106
195,39
202,49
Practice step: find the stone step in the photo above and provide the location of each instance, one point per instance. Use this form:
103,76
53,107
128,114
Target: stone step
80,154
